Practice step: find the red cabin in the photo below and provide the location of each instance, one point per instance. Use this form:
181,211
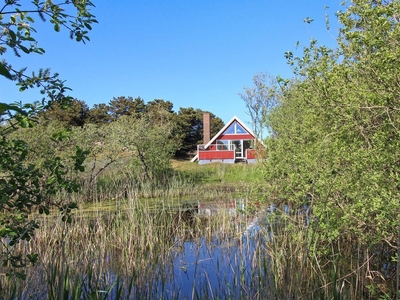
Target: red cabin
233,143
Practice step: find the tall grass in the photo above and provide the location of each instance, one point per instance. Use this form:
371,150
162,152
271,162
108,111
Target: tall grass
139,251
304,266
122,181
184,181
127,253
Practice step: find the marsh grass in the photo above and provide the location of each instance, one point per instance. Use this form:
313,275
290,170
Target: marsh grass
142,251
184,181
220,172
128,252
302,265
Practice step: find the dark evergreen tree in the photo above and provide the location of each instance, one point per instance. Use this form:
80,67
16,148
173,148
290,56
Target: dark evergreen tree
99,114
190,128
125,106
75,114
157,104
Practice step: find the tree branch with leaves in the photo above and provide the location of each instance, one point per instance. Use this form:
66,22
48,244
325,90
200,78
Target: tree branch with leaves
260,99
28,189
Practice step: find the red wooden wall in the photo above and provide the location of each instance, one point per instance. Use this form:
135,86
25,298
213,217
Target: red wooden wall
220,154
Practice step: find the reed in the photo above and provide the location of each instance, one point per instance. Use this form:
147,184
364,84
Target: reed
304,265
126,251
140,250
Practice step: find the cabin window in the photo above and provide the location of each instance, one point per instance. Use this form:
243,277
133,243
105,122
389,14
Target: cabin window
240,146
235,128
222,145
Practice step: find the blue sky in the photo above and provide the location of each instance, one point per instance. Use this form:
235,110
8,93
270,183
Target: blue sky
194,53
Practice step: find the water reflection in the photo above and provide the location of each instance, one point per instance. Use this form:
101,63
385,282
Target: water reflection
213,208
222,266
223,269
194,251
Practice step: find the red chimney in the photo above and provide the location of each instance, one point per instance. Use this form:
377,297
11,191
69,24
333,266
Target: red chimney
206,128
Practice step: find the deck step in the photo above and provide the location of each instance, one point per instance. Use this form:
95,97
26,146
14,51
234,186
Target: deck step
241,160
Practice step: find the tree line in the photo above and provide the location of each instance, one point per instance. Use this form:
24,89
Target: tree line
187,122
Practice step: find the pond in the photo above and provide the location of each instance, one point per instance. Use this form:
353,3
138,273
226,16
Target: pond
211,250
195,250
227,262
228,268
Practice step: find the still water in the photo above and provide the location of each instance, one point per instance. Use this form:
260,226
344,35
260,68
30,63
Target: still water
219,267
206,264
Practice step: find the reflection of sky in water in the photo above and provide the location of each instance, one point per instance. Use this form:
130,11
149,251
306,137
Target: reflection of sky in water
232,268
215,269
228,266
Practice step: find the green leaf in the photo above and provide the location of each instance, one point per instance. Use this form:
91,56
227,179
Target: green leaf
72,205
12,35
308,20
5,106
24,123
33,258
5,73
26,50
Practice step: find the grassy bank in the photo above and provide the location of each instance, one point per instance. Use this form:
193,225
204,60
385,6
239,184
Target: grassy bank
183,180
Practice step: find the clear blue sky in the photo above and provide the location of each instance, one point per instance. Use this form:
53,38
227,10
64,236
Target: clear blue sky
194,53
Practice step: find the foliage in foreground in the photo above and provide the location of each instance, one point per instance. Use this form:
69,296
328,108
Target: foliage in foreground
26,186
335,147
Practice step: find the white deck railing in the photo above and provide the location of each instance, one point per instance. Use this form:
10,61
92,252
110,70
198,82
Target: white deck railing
219,147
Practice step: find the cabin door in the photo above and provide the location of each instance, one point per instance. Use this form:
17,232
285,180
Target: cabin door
246,145
238,148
